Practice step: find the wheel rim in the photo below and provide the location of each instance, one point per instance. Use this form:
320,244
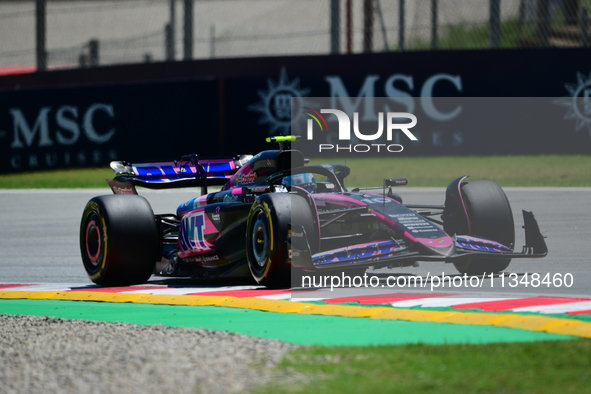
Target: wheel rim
259,241
93,241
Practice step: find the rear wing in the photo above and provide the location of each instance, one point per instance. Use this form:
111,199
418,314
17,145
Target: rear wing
189,171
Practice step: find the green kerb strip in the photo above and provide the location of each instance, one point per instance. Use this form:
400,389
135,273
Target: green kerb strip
289,327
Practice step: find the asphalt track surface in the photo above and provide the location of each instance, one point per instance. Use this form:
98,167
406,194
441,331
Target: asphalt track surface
39,238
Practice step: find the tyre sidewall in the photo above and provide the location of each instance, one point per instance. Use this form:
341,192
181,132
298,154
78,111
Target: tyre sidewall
93,225
490,217
268,262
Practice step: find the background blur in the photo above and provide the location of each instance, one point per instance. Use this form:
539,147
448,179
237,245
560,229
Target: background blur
84,82
80,33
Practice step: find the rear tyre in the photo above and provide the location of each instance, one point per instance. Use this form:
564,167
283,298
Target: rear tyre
267,247
490,217
119,240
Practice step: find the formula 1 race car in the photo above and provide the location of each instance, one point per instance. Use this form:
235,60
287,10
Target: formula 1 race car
275,216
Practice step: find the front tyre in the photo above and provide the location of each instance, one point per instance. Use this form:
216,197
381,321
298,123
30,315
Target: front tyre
266,236
490,217
119,240
267,233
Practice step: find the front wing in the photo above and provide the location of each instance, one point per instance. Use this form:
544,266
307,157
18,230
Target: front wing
394,251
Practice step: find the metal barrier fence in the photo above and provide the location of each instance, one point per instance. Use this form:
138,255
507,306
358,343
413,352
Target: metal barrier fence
77,33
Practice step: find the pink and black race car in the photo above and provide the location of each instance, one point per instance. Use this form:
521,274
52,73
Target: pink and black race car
275,216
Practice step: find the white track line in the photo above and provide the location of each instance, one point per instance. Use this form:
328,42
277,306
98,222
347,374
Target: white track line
440,302
190,290
559,308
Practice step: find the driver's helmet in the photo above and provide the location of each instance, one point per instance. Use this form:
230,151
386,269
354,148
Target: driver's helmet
305,181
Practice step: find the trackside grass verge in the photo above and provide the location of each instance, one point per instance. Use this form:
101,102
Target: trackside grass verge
532,367
541,170
57,179
518,170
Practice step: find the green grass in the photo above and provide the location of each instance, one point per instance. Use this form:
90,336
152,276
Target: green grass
79,178
472,36
533,367
542,170
478,36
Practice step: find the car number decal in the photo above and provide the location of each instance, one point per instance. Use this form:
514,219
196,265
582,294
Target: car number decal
192,236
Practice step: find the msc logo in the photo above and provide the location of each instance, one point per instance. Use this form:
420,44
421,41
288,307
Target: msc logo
344,131
578,102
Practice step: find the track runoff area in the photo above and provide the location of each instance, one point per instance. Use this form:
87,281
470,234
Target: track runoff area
318,317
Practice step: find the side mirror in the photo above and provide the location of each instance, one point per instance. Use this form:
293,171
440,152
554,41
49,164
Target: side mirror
395,182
